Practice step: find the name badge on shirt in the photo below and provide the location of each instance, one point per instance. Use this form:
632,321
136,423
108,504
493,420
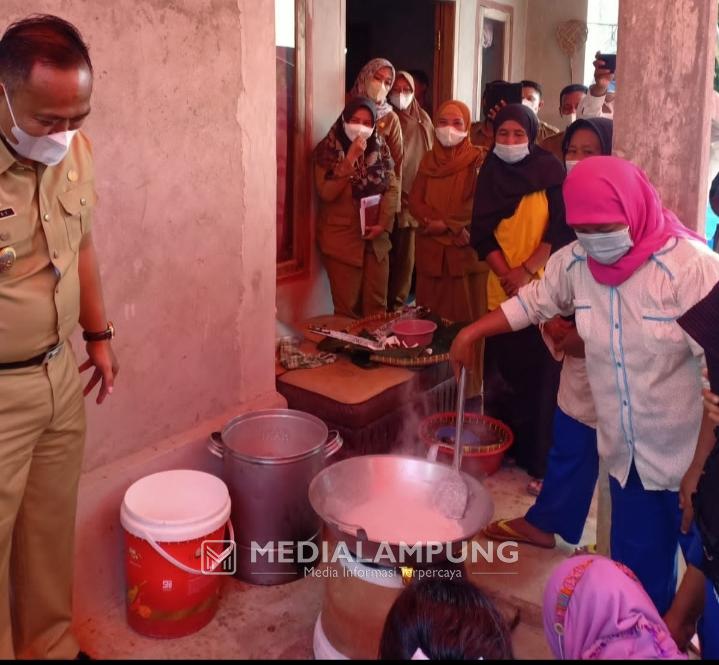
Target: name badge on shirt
7,212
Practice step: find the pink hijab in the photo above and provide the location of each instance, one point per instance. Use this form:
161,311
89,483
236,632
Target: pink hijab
603,190
596,609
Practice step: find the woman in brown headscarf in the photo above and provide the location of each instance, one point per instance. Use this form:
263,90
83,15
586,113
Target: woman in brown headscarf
417,139
451,280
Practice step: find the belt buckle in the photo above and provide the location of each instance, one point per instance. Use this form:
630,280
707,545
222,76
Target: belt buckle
52,353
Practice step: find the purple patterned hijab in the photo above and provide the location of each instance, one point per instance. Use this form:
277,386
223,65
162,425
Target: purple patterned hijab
596,609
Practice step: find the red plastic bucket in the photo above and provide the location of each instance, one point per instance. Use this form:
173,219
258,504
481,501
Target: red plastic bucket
166,517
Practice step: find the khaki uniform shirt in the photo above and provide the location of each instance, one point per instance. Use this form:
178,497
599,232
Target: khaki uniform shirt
554,145
545,131
44,213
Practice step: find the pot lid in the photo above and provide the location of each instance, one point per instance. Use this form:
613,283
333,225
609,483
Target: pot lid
274,435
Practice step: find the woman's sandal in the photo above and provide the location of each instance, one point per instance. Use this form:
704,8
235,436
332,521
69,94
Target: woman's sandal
500,531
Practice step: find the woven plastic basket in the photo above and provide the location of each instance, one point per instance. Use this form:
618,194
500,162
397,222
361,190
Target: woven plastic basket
479,460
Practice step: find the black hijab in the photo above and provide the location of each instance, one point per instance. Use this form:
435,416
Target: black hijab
602,127
373,169
501,186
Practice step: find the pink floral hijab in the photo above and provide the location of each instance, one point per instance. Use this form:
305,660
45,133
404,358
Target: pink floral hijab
605,189
596,609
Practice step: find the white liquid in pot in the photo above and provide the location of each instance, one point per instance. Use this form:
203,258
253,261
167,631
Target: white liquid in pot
404,521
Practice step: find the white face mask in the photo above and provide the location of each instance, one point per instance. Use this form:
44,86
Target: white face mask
449,136
572,117
511,153
569,165
377,91
606,248
49,149
401,100
530,105
355,130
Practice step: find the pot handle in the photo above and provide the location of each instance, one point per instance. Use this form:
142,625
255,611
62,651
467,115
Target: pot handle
215,445
333,444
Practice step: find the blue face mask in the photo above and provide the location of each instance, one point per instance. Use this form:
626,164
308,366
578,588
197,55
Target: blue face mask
606,248
511,153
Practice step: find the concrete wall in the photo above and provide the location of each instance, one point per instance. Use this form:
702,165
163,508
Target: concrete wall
664,105
466,47
545,61
183,132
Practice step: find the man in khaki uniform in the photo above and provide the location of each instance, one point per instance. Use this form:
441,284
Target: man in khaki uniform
49,280
532,94
569,100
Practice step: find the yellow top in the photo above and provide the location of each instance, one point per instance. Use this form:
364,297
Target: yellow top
519,236
44,213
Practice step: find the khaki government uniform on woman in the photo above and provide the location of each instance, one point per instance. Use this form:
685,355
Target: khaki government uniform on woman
358,269
44,214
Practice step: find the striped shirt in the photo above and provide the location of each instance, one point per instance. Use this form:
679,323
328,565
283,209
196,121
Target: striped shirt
644,370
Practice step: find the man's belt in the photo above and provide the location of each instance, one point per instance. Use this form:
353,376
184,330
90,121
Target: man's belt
41,359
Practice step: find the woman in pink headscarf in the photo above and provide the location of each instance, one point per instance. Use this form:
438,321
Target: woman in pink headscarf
596,609
632,272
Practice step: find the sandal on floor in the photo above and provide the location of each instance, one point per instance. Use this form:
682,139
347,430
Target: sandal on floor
500,531
534,487
585,549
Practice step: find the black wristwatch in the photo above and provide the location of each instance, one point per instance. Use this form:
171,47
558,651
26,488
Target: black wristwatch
108,333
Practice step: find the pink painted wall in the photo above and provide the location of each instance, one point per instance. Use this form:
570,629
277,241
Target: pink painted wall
183,128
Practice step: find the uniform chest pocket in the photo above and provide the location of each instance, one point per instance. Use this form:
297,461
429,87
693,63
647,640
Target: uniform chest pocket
661,333
77,205
16,234
583,318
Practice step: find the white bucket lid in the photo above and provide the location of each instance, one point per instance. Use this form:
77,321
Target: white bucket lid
175,506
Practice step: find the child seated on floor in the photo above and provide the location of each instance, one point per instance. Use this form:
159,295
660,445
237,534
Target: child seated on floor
596,609
440,619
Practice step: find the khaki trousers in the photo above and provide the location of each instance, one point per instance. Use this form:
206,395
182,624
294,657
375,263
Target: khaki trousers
358,292
42,436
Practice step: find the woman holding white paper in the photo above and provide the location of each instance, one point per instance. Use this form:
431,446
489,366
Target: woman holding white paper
353,163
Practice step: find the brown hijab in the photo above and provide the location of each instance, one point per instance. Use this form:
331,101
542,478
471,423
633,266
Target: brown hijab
442,162
452,174
417,135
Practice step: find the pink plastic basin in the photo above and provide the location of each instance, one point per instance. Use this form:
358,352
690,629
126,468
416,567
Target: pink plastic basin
414,331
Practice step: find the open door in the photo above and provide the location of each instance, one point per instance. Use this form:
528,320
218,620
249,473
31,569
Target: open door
443,79
494,49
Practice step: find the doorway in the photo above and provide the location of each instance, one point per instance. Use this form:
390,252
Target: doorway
411,34
494,37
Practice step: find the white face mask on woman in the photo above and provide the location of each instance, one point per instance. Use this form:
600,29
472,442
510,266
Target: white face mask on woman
449,136
606,248
511,153
401,100
377,91
355,129
570,164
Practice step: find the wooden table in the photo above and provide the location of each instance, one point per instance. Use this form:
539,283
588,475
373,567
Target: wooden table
376,410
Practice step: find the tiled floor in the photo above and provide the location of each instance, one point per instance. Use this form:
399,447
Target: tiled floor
278,622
